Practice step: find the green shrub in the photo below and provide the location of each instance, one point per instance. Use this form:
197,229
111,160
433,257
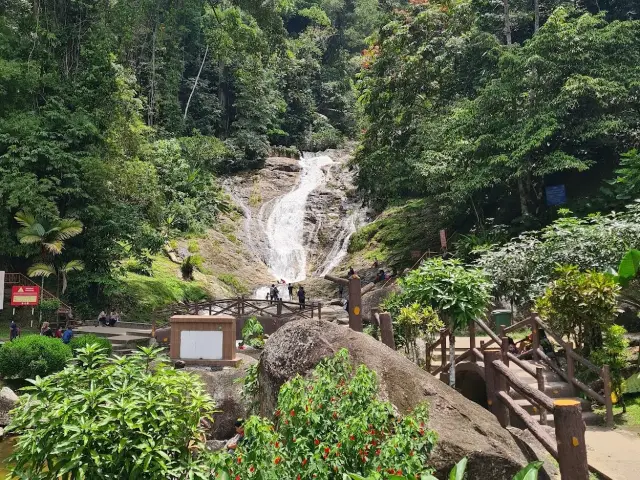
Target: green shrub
580,305
111,418
81,341
193,247
330,425
33,355
231,281
253,333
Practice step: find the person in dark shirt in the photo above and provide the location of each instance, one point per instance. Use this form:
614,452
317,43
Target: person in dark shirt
290,292
14,331
302,297
45,330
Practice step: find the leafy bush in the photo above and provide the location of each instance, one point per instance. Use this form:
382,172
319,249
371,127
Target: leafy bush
416,322
253,333
614,354
231,281
323,136
189,265
81,341
193,247
458,294
33,355
522,268
580,305
332,424
109,419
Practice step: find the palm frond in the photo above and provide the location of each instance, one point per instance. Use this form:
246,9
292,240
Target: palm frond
68,228
72,266
25,219
41,270
28,238
54,247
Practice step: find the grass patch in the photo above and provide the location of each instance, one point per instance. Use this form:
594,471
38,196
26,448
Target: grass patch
629,419
140,294
193,247
232,282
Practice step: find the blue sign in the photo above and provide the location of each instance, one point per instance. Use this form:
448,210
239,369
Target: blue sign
556,195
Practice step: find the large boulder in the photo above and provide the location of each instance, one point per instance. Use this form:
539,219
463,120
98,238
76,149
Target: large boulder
463,427
8,401
374,298
226,391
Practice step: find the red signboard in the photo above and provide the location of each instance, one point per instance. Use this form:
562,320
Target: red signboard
25,296
443,239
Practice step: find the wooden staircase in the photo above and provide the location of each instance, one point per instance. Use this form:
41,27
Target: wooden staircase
11,279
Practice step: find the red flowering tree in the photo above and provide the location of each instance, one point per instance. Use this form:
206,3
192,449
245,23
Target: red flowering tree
329,425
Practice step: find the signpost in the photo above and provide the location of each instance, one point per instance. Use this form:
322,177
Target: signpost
22,296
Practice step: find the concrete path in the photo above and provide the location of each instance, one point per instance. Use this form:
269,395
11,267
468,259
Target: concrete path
615,452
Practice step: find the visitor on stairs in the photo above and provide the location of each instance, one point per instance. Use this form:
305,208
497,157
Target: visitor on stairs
301,297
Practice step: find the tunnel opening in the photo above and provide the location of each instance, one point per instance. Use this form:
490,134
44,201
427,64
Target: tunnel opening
473,387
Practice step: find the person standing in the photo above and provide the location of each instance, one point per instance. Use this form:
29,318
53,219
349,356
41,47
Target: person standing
302,297
14,331
290,292
59,332
352,272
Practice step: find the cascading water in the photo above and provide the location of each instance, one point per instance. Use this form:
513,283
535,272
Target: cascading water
287,256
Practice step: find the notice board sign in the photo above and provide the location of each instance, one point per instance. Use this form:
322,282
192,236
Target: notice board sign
556,195
1,289
22,296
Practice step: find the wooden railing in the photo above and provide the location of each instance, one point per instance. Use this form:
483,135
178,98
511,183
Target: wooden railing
20,279
569,449
239,307
537,353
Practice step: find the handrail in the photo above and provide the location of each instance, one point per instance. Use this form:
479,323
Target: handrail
585,362
526,367
534,395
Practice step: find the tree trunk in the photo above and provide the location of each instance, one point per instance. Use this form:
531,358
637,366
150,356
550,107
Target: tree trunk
452,357
195,84
152,87
536,12
524,201
507,21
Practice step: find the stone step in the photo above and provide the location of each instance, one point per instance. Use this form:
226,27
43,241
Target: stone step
128,340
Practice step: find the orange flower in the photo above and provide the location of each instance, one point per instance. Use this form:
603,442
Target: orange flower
316,442
292,413
277,460
304,462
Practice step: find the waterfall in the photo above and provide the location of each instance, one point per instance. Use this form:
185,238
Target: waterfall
338,251
286,255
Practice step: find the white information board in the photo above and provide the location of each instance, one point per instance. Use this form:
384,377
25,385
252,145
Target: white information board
197,345
1,289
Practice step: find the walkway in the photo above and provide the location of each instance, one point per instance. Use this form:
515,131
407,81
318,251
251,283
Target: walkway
616,453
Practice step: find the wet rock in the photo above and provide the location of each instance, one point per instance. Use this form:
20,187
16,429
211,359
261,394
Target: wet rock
464,428
8,401
179,364
215,445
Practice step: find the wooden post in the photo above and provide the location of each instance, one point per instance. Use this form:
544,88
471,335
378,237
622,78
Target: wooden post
153,327
472,338
481,345
540,379
355,304
386,330
242,304
606,378
570,430
535,344
495,383
279,307
319,310
504,350
571,367
210,309
239,306
443,348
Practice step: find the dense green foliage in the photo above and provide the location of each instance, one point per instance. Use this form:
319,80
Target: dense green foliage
108,418
332,423
580,305
81,341
121,115
253,333
522,268
613,352
482,121
30,356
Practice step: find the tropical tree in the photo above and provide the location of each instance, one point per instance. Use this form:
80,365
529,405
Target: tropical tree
50,238
457,293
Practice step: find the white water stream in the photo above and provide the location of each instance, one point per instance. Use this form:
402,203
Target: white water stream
287,255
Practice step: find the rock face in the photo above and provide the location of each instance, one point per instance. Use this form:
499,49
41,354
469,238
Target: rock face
373,299
227,394
464,428
8,401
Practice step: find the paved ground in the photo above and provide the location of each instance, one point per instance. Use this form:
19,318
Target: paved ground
616,453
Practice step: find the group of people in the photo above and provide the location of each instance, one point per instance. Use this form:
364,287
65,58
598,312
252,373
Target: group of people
45,331
274,294
108,320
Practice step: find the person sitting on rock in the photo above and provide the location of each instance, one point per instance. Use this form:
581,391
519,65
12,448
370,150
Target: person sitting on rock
232,444
45,330
67,335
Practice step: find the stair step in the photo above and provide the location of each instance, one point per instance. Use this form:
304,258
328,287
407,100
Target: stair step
127,339
552,389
